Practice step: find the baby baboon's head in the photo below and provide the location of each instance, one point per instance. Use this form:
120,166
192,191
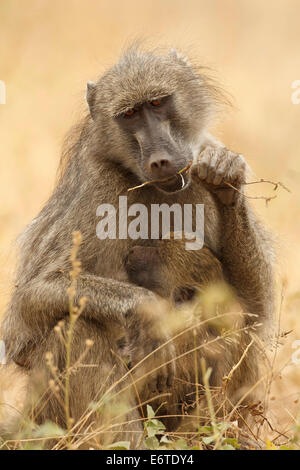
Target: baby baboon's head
172,272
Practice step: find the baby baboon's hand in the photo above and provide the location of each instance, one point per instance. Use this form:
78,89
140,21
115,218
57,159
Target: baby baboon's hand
148,335
217,166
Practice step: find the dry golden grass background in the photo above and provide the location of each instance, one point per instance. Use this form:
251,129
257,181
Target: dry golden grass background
50,48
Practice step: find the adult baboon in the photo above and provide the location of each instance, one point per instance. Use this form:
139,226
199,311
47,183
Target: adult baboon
148,118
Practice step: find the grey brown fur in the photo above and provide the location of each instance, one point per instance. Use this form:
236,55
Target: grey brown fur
104,161
185,276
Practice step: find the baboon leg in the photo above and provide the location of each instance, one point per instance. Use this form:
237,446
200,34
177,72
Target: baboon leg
221,357
101,404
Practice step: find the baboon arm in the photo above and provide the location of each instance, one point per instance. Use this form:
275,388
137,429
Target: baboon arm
38,305
209,140
248,259
246,248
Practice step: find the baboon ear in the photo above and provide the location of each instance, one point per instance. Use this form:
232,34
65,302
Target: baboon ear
90,97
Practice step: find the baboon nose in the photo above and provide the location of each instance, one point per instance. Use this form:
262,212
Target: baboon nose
161,166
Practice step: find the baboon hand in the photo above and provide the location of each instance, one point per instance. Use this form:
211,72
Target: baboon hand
217,166
153,352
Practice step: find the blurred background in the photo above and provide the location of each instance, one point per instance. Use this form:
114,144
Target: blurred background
50,48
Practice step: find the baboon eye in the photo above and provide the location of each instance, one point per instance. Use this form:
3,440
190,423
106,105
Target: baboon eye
156,102
129,113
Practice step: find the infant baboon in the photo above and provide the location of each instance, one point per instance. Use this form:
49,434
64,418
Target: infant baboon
148,118
167,268
182,276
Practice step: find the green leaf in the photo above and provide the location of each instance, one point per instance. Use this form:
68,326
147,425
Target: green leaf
223,426
208,440
120,445
205,429
150,412
232,441
152,443
153,427
181,444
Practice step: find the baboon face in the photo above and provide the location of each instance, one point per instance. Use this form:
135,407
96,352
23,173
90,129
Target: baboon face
153,108
146,268
161,154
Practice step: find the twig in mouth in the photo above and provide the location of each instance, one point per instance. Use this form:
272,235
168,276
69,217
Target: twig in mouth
180,172
187,167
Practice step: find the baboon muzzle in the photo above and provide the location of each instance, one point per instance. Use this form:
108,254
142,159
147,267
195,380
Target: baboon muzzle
161,157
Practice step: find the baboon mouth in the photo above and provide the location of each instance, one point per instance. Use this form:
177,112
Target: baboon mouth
175,183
